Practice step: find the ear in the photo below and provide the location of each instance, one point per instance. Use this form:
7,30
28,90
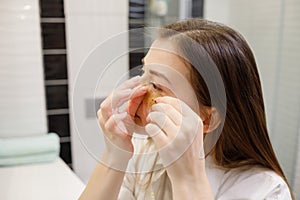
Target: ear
211,120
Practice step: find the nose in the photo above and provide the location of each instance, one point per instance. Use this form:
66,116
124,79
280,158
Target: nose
142,112
144,107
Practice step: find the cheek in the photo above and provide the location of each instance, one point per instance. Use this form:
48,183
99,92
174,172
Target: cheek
194,105
190,99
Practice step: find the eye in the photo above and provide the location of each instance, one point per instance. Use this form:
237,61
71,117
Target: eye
156,87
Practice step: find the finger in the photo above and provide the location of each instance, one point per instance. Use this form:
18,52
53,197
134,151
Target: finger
158,136
103,115
179,105
164,123
126,87
134,105
139,91
124,95
115,126
130,83
100,118
136,99
200,146
119,97
197,143
170,111
129,124
105,110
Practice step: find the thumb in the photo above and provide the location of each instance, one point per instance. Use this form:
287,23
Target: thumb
158,136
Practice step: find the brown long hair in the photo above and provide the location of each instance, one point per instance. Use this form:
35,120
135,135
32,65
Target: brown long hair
244,139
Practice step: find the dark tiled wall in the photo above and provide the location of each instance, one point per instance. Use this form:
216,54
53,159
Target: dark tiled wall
197,9
55,66
57,96
59,124
53,35
52,8
55,73
136,20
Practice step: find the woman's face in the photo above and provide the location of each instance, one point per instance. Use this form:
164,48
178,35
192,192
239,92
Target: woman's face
166,74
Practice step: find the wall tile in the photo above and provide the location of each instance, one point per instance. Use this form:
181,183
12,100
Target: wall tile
57,97
135,64
52,8
53,35
59,124
65,152
55,67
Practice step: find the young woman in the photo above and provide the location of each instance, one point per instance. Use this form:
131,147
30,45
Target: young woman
177,116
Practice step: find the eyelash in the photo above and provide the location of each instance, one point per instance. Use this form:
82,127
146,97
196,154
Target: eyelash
156,87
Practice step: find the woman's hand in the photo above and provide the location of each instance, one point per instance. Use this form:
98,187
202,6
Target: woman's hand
116,125
177,132
117,128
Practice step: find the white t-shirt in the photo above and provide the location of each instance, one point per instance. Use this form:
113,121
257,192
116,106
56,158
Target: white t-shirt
247,183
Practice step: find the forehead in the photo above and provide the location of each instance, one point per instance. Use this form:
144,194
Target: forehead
176,69
163,53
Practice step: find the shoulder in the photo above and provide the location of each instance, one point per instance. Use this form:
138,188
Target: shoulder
253,183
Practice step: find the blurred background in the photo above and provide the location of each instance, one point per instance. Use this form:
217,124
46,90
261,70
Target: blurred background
44,42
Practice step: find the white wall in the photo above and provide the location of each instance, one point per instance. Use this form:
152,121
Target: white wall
297,171
272,29
217,10
89,23
22,99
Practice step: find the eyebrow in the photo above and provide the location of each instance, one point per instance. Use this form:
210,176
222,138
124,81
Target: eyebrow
155,73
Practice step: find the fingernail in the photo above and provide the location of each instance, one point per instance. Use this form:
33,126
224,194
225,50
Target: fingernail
148,119
156,100
122,127
144,88
122,115
127,91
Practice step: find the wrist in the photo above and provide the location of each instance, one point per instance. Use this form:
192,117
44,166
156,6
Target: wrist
193,186
193,189
117,160
195,173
